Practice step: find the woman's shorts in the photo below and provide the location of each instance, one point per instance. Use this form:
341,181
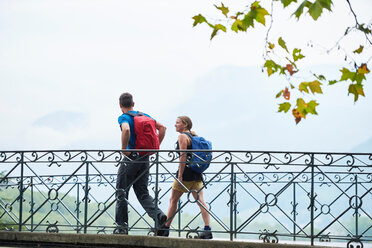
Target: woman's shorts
190,185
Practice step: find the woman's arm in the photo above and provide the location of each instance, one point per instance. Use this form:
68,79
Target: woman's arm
183,140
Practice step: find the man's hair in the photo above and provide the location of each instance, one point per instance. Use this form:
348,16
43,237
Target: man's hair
126,100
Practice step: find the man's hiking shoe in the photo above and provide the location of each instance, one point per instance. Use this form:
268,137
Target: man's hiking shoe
206,234
163,231
121,229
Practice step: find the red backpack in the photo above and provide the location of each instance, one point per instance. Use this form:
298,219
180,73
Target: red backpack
146,134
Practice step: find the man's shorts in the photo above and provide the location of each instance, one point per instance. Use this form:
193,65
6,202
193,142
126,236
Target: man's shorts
190,185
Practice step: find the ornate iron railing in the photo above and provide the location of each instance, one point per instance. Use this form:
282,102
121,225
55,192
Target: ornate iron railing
271,196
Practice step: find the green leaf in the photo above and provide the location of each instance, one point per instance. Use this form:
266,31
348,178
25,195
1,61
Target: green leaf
332,82
285,106
260,15
300,9
282,44
315,87
271,67
316,10
271,45
297,54
199,19
303,87
359,50
301,106
346,74
311,107
359,78
365,30
216,28
326,4
320,77
248,21
223,9
287,2
237,25
279,94
356,89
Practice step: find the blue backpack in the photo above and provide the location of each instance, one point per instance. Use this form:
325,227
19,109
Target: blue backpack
200,160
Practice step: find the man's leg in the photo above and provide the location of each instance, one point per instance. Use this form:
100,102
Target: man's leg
121,213
142,193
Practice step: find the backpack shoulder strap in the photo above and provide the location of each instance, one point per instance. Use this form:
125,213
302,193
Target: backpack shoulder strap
133,114
188,134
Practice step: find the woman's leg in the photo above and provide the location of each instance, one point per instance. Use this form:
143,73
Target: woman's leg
173,202
204,213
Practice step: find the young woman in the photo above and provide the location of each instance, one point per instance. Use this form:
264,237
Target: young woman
190,179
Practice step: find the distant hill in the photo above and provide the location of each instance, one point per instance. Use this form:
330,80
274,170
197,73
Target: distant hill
363,147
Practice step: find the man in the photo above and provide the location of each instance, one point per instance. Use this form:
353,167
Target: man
134,170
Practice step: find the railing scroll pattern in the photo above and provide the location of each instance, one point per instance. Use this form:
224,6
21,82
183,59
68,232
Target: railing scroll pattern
270,196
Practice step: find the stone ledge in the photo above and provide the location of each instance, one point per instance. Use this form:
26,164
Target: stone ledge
126,241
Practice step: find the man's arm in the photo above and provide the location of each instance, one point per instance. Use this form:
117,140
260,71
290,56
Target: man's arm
125,135
161,130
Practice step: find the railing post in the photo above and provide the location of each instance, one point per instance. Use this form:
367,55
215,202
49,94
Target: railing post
86,197
179,217
21,195
78,208
356,207
294,211
157,188
32,204
235,208
312,199
232,193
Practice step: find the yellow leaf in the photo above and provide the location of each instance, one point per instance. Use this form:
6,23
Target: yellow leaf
363,69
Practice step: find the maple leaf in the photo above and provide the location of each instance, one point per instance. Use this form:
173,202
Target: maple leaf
216,28
363,69
297,115
297,54
271,67
237,25
279,94
300,9
287,2
315,87
285,106
303,87
260,15
316,10
356,89
359,50
281,43
198,20
311,107
286,94
223,8
289,68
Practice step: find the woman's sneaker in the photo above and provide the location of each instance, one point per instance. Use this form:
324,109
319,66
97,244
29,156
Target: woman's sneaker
206,234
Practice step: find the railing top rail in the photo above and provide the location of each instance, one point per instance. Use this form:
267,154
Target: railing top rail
173,150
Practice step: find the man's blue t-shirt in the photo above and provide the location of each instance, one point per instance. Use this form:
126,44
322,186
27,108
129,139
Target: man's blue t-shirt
124,118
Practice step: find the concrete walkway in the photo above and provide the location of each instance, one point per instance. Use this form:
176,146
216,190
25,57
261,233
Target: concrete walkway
32,239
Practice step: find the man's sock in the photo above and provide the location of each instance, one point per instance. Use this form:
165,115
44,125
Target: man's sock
207,228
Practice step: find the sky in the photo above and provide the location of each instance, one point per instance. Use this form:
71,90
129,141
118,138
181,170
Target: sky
64,64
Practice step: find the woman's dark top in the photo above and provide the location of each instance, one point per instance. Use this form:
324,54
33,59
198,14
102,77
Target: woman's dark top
188,174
